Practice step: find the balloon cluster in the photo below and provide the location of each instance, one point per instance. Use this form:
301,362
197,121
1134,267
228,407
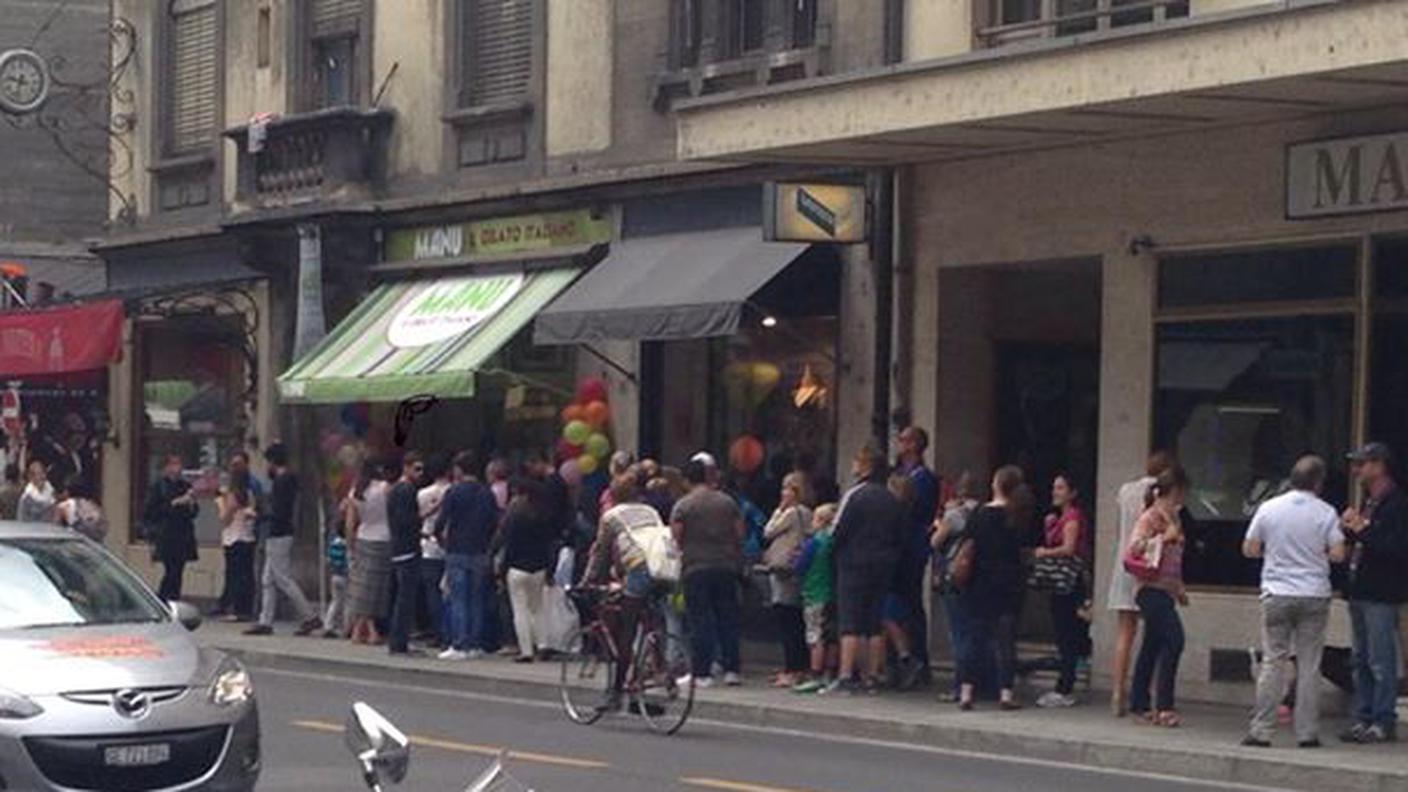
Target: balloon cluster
583,448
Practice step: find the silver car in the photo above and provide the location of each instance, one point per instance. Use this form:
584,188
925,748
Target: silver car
102,686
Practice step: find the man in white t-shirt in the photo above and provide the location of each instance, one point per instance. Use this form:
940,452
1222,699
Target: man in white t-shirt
1297,535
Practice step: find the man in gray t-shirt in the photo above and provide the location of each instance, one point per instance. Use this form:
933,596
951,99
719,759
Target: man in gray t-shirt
708,527
1297,535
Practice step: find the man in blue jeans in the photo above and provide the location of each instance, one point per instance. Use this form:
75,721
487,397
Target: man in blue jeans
465,528
709,530
1378,536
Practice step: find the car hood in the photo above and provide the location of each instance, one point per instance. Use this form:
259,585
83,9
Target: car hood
72,659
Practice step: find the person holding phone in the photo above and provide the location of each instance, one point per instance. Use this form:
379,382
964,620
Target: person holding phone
170,512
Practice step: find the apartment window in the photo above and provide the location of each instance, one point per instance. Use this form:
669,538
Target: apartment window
686,29
192,73
747,26
1013,20
496,40
335,29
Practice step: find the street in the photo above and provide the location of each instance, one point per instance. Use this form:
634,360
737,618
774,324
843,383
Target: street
456,734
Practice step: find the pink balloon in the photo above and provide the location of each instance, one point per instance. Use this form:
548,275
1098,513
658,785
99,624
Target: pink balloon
591,389
571,472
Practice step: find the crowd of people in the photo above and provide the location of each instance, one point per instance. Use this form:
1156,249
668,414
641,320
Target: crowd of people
423,547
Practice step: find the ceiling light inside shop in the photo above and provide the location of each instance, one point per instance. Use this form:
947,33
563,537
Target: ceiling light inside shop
769,321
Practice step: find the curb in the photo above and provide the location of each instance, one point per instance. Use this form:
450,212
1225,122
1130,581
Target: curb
1202,766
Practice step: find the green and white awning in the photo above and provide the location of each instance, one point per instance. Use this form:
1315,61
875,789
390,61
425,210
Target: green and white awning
421,337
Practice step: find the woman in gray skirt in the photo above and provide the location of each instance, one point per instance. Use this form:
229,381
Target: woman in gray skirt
369,586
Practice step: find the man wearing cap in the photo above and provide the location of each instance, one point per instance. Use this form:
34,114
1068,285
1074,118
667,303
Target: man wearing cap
1378,536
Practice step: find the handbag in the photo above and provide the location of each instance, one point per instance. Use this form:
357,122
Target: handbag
960,563
1057,574
1143,557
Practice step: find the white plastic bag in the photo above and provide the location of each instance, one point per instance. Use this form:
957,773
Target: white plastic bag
566,561
558,621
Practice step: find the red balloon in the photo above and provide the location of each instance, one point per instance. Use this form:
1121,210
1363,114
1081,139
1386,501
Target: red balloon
597,414
573,412
591,389
745,454
566,450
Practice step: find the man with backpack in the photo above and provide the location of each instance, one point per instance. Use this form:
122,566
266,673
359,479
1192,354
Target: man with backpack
631,551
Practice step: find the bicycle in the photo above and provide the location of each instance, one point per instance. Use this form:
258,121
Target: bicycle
657,685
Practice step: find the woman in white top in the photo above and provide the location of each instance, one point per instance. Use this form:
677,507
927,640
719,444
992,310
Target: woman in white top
239,517
37,501
1120,597
369,534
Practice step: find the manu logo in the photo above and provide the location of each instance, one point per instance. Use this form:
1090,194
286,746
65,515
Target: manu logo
444,309
439,242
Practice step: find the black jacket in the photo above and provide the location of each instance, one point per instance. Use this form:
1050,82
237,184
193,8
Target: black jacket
1379,554
403,516
172,525
870,529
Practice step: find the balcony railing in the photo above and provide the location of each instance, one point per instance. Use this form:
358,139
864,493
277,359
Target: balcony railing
1021,20
327,155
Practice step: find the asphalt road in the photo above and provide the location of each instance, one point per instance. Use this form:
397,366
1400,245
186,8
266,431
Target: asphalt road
455,735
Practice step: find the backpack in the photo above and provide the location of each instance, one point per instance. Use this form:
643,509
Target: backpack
643,535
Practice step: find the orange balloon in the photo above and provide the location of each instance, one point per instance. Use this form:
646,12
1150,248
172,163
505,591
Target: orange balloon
597,414
573,412
745,454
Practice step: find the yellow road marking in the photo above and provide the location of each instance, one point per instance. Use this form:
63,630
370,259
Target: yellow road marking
734,786
470,748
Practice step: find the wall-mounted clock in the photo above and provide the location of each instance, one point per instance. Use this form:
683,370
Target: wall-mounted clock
24,81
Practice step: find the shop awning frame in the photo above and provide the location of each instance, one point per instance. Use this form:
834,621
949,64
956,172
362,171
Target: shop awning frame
672,286
358,360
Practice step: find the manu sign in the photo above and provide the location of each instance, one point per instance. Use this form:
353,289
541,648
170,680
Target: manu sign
443,309
499,236
1347,176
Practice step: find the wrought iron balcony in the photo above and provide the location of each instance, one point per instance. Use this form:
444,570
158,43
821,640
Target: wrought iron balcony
338,154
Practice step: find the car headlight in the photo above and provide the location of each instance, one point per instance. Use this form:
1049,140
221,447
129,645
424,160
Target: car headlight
13,706
232,685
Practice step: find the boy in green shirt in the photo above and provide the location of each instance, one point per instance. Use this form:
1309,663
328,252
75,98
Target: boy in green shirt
818,575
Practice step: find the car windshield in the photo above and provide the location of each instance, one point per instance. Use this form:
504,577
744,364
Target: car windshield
68,582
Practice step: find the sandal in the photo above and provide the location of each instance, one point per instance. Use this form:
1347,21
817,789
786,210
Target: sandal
1168,719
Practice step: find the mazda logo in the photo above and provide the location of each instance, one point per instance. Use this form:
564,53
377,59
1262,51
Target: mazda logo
131,704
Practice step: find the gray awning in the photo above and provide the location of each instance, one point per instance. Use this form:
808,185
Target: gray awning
673,286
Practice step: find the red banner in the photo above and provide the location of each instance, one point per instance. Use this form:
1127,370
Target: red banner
61,340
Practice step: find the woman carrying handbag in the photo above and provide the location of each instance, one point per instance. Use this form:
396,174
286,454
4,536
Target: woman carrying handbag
1155,558
1060,569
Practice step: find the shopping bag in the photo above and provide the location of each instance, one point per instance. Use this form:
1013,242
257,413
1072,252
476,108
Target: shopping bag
562,574
558,621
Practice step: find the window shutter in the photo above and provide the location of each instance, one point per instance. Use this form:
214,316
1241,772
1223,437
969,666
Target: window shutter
193,74
496,37
334,17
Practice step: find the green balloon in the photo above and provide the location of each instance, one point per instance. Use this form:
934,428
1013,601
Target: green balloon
576,432
597,445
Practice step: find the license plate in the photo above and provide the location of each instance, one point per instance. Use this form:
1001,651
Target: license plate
136,755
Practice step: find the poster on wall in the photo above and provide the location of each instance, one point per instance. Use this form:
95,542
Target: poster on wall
61,423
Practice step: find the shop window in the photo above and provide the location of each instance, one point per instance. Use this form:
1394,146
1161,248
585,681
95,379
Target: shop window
1261,276
192,383
1239,401
61,422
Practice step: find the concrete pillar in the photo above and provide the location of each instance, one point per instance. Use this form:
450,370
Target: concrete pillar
937,28
580,66
855,396
1126,414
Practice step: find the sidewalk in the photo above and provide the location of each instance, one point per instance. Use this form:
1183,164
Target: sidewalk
1205,748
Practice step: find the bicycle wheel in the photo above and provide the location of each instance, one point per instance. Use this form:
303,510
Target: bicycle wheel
661,664
587,674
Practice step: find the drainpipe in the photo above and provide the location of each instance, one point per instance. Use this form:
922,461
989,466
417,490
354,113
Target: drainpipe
881,187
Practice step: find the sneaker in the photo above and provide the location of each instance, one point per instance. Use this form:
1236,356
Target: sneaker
1251,741
260,629
1354,733
732,679
1311,743
1375,735
841,687
331,634
810,686
309,626
453,654
1054,700
474,654
523,659
699,682
909,672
